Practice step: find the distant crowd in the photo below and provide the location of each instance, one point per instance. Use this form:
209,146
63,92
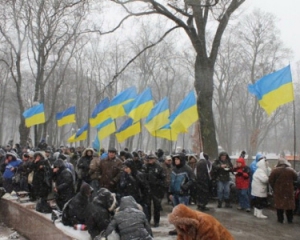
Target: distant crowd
88,185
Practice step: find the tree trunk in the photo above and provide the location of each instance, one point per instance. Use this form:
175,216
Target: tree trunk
24,132
204,87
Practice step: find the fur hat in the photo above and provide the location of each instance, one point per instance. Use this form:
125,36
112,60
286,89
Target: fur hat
283,161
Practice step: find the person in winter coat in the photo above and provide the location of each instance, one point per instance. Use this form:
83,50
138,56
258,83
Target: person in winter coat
155,178
203,181
167,167
94,173
253,166
74,211
42,181
222,167
259,189
64,188
83,166
160,155
130,222
282,180
110,170
24,170
99,212
138,163
242,178
11,166
195,225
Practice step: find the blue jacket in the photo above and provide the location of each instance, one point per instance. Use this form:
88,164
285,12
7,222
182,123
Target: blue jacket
8,174
253,166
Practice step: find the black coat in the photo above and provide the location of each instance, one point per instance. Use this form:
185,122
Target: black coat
83,167
99,212
130,222
155,177
42,181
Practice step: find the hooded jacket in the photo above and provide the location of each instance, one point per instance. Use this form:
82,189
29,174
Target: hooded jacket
14,163
203,169
130,222
253,166
242,175
83,165
99,212
219,173
260,179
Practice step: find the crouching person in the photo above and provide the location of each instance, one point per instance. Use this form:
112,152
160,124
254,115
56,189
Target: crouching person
74,210
99,212
130,222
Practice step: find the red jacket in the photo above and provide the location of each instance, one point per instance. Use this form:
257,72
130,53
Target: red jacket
242,175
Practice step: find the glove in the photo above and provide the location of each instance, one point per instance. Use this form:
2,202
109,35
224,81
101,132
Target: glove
239,174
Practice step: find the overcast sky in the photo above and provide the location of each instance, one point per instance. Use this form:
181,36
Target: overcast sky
288,12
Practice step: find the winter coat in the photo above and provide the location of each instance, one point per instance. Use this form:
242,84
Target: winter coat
94,168
64,182
219,173
42,177
282,180
194,225
99,212
202,172
83,165
168,172
253,166
110,172
260,180
242,175
192,164
182,178
8,173
75,210
155,177
130,222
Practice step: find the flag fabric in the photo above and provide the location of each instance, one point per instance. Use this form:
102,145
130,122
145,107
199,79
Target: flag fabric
185,115
158,116
100,113
141,106
34,115
106,128
166,132
80,135
65,117
116,105
128,129
96,143
274,90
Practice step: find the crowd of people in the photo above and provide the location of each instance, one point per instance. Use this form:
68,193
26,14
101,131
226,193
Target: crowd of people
88,185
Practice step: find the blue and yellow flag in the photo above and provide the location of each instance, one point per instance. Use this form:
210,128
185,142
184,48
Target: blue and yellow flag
158,116
106,128
116,104
274,90
65,117
96,144
185,115
141,106
34,115
128,129
80,135
166,132
100,113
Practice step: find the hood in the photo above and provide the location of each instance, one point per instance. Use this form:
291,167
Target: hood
262,164
86,189
242,161
194,156
181,157
86,150
128,202
258,156
13,154
40,153
159,153
105,199
283,162
224,153
59,164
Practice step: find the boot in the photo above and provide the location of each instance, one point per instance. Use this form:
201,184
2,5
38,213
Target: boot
255,212
260,214
219,203
227,203
173,232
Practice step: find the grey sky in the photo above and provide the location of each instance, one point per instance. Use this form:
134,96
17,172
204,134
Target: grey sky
287,11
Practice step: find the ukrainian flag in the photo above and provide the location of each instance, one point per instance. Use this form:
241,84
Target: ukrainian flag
128,129
166,132
141,106
34,115
185,115
274,90
65,117
158,116
100,113
106,128
96,143
80,135
116,105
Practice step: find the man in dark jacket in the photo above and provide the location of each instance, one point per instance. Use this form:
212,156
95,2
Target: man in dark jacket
130,222
64,188
155,177
42,181
83,166
99,212
222,167
74,211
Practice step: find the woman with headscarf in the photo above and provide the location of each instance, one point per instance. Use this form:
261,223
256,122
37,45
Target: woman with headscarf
282,180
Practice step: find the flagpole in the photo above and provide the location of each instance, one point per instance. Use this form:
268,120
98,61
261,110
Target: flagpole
155,143
295,143
183,141
170,142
